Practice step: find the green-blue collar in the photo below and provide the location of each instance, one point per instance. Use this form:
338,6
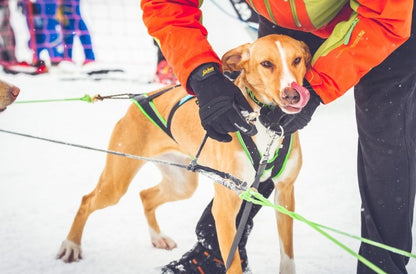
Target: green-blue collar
255,100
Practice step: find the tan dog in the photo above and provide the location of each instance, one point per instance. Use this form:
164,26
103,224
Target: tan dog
8,93
269,67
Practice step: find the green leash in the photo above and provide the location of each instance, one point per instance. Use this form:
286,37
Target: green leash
85,98
254,197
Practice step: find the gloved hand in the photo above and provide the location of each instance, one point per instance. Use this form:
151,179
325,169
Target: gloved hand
220,103
275,117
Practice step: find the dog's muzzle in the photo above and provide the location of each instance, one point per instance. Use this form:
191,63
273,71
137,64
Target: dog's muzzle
295,97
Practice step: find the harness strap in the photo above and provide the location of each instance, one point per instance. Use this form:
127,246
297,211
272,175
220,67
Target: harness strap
145,103
277,163
248,206
173,110
147,107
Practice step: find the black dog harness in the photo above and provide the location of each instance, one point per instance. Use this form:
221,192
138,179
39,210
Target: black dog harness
145,104
276,164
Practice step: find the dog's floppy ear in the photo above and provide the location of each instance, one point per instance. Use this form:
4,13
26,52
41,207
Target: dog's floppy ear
306,54
234,60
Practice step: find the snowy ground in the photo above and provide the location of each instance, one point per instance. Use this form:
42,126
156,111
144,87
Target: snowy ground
41,184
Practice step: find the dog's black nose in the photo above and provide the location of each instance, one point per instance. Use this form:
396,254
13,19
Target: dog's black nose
290,96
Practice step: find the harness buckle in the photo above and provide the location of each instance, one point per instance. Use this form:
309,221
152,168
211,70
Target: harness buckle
192,165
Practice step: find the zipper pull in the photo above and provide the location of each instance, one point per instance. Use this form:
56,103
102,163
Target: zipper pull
349,33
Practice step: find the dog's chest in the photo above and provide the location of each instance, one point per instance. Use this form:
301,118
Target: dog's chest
264,137
256,147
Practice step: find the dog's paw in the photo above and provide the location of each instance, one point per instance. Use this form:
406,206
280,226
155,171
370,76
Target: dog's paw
159,240
69,252
164,243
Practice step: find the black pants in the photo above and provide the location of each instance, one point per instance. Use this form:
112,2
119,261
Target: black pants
386,120
160,56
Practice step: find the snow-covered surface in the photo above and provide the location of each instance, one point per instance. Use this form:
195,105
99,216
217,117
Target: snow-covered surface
41,183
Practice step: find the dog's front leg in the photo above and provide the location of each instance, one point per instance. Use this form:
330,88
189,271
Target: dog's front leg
285,197
225,209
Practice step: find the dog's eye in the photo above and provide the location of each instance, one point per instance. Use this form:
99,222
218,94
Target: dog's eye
297,61
267,64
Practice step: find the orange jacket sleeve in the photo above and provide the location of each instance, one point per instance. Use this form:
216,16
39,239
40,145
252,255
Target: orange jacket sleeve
176,25
355,46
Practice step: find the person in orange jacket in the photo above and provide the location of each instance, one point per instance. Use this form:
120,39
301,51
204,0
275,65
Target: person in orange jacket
243,12
365,44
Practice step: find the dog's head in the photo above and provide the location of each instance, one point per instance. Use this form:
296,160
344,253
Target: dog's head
273,67
8,93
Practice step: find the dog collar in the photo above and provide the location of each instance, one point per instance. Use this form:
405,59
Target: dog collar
255,100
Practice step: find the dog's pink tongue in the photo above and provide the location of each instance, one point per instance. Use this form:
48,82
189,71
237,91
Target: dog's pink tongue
303,94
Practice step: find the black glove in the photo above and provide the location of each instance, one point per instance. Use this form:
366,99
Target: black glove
220,103
275,117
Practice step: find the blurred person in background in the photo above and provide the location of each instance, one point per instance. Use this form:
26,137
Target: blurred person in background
45,30
164,72
73,25
8,44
